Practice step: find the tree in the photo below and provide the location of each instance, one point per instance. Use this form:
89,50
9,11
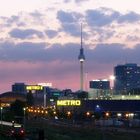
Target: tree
17,107
30,99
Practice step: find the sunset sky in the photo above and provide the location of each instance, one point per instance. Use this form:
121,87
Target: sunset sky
40,40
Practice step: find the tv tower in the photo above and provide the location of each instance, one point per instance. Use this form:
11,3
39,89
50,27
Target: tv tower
81,58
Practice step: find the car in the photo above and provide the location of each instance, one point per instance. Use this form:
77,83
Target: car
17,131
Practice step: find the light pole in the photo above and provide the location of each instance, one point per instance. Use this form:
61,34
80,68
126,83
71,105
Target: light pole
24,109
44,90
112,79
1,108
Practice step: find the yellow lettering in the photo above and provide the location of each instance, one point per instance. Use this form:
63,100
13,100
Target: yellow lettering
33,87
68,102
59,102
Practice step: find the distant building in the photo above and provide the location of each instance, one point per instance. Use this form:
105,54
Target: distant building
99,89
19,88
100,84
8,98
127,77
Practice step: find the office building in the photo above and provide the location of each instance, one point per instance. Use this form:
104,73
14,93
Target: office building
127,77
19,88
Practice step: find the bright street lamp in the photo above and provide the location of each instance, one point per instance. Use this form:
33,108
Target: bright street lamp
112,79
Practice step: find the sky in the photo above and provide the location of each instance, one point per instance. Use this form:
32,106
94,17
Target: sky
40,40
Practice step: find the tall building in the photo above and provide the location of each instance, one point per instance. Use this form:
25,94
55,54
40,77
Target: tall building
19,88
127,77
81,58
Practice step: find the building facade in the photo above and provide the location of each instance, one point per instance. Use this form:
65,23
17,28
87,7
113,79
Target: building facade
99,89
100,84
19,88
127,77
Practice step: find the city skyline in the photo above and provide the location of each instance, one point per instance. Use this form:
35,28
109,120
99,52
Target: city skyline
40,41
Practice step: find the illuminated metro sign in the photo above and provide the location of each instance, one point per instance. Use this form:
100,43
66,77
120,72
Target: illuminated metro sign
34,87
68,102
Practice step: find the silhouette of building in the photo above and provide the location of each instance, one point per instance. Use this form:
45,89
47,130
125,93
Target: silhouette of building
19,88
100,84
127,77
99,89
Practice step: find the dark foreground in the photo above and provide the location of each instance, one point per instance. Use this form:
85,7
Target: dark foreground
53,130
62,131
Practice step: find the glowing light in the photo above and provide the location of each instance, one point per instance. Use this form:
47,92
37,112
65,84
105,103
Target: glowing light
45,84
68,113
131,114
54,113
68,102
88,113
82,60
97,106
123,96
119,114
126,115
107,114
34,87
105,80
112,77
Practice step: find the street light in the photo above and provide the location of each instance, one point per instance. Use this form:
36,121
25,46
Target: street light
87,114
112,79
24,109
1,108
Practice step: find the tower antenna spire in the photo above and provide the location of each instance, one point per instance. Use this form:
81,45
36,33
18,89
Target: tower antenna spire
81,58
81,37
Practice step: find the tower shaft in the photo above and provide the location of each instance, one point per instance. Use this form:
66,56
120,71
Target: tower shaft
81,76
81,58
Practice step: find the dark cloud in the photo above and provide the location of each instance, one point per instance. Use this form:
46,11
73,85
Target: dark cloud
14,20
103,16
51,33
23,34
37,52
71,29
107,53
103,53
104,34
68,17
129,17
69,22
99,18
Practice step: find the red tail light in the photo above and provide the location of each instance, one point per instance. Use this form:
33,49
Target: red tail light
22,131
